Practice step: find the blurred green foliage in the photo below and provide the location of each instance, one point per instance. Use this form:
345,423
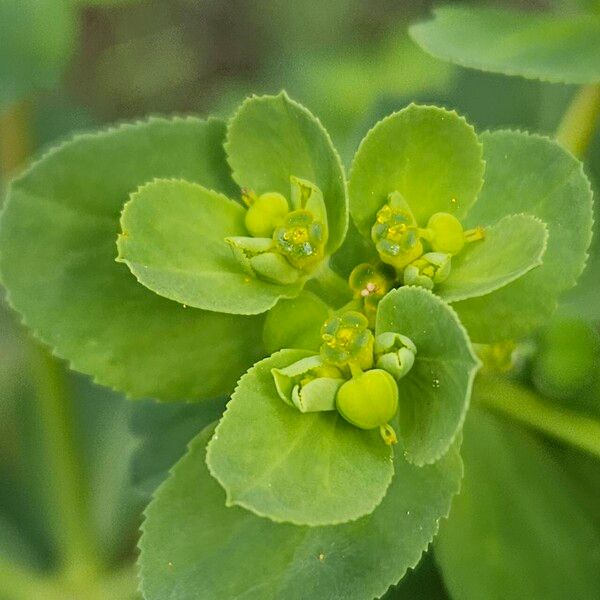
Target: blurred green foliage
82,63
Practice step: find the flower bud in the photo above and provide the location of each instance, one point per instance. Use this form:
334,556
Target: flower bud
259,258
395,233
431,268
265,213
273,267
370,400
347,339
301,239
308,384
244,248
394,353
307,196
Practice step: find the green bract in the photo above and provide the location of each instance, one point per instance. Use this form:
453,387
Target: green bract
89,308
254,558
553,188
415,191
435,393
264,442
296,216
539,46
308,469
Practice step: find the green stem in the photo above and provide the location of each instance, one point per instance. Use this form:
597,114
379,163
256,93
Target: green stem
66,485
528,407
121,584
20,583
579,122
15,139
330,287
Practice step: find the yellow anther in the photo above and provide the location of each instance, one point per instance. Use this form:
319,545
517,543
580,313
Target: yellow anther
384,214
474,235
299,235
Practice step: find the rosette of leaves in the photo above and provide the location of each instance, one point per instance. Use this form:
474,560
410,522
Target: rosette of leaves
307,501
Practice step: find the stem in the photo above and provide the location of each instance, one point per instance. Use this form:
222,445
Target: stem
19,583
579,122
528,407
73,524
15,139
121,584
330,287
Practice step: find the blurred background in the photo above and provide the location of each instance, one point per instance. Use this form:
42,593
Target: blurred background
74,65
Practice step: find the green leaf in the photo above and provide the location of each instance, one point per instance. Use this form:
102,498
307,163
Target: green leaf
518,528
272,138
224,552
296,323
549,47
434,395
173,241
428,154
34,57
534,175
512,247
307,469
57,259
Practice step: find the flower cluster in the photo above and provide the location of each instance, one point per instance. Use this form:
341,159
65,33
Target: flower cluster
287,239
355,374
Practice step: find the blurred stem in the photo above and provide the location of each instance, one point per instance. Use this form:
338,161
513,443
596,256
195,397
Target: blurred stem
72,521
20,583
121,584
15,138
528,407
580,121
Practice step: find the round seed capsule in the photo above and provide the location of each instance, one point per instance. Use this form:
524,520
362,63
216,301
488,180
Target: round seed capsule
368,400
446,232
265,214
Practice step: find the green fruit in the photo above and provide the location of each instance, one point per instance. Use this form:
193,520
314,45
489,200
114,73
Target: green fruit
447,234
265,214
368,400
